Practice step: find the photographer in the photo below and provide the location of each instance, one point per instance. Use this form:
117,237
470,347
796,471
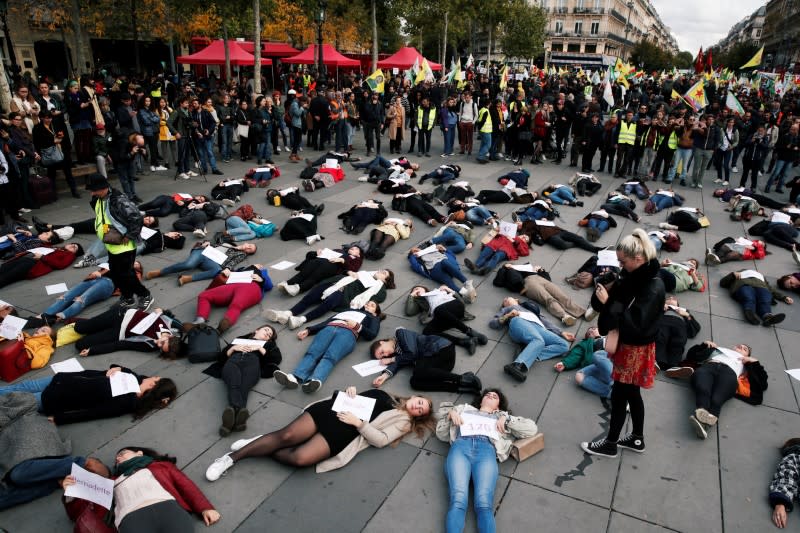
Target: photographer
129,144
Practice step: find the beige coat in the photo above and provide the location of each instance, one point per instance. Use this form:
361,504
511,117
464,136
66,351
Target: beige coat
388,427
518,428
397,231
396,116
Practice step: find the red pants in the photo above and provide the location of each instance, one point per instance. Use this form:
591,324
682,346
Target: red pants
237,296
467,135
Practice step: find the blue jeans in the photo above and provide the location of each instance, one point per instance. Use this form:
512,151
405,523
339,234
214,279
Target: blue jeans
227,141
330,346
540,343
205,149
532,213
486,144
597,376
34,386
756,299
638,190
473,458
489,258
444,271
598,224
35,478
378,162
184,157
239,229
265,146
97,249
662,201
341,135
196,259
778,173
449,139
681,155
125,173
452,240
478,215
90,291
562,195
724,166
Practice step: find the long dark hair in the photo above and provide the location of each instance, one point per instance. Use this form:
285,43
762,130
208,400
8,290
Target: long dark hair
149,452
160,396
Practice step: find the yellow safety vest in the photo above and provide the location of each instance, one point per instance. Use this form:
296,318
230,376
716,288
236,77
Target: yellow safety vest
306,80
487,125
431,117
101,225
672,142
627,133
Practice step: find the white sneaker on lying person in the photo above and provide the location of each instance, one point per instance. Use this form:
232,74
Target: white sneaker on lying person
241,443
219,467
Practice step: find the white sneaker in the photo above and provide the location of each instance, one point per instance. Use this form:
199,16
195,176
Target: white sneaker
363,179
724,183
219,467
296,321
277,148
24,210
667,225
192,173
228,202
760,173
275,315
241,443
292,290
152,168
568,320
300,148
284,379
590,314
184,176
717,180
161,167
199,233
735,170
472,294
282,286
312,239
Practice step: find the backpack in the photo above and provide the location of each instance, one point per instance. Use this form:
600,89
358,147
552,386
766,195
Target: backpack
202,344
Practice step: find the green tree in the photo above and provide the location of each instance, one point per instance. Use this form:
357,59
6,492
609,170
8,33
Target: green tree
522,30
649,57
683,60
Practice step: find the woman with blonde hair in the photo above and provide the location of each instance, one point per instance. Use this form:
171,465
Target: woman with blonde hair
329,439
629,314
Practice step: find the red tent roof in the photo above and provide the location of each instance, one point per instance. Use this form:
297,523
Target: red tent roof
214,54
330,57
404,59
270,49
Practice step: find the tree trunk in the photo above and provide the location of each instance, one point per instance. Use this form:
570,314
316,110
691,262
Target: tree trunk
67,55
257,47
444,41
77,27
135,31
227,51
489,46
374,37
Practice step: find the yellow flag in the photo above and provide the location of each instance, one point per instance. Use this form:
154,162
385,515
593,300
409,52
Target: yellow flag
420,76
697,95
755,61
675,95
622,81
504,78
375,81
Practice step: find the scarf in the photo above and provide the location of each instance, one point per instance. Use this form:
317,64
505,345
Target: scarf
132,465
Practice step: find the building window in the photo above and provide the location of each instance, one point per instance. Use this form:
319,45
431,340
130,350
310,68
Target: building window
578,27
544,5
559,27
579,5
598,4
561,6
573,47
557,47
595,27
590,48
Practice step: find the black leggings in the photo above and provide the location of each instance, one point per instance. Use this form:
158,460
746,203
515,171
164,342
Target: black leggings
493,197
434,373
713,385
295,202
160,206
446,316
241,373
100,329
15,269
422,209
314,297
161,517
622,396
566,240
124,277
314,271
192,221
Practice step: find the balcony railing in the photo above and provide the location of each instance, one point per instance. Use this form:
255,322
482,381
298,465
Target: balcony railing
589,10
619,16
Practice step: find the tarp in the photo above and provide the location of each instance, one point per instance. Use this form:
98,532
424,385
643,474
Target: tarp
330,57
269,49
404,59
214,54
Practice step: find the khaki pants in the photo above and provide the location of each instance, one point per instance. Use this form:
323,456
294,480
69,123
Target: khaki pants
551,296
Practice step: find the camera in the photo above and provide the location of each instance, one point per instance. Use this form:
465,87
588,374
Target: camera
606,278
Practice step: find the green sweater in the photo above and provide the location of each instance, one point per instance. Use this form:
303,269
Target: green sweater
580,355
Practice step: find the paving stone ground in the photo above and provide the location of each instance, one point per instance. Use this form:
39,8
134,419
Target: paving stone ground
679,484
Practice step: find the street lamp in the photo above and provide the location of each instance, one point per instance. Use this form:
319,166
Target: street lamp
628,24
320,19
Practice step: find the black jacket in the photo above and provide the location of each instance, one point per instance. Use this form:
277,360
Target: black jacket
635,305
124,211
673,333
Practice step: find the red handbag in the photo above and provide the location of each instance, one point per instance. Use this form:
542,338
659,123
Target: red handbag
14,360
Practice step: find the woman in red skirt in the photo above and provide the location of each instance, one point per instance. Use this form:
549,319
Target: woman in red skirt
629,314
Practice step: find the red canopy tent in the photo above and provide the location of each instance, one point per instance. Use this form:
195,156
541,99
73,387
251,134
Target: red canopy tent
214,54
269,49
404,59
330,57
